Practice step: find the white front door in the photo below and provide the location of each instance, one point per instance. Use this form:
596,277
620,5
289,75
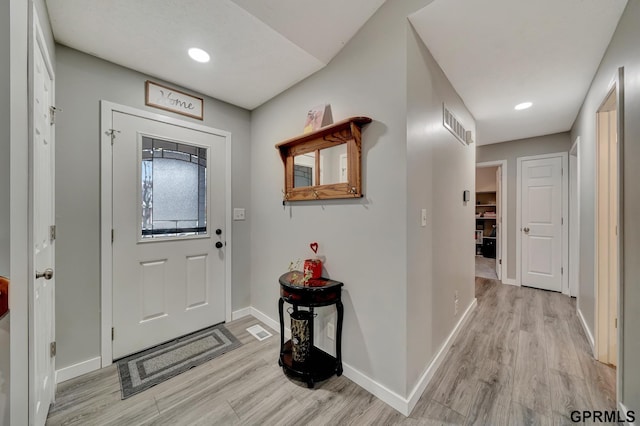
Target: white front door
541,223
42,303
168,231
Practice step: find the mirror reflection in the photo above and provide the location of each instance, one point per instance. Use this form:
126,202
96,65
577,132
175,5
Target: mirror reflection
304,170
333,165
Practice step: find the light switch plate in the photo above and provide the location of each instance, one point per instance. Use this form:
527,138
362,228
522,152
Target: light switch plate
238,214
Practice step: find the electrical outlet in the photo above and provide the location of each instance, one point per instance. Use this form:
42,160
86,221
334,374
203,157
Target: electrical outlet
238,214
330,331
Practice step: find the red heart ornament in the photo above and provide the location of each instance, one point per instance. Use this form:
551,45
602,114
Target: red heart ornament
314,247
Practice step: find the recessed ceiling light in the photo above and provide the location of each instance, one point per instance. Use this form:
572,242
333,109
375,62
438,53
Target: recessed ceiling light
199,55
523,105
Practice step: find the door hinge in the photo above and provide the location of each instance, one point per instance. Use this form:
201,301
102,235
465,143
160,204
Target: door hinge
616,322
112,133
562,221
52,349
561,172
113,333
52,232
499,261
52,114
562,270
113,233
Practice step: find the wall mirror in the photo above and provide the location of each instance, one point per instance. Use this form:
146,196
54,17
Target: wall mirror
324,164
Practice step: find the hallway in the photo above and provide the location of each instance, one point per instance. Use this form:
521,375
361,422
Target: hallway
522,359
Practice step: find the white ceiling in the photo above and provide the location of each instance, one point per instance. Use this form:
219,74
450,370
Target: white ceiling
498,53
259,48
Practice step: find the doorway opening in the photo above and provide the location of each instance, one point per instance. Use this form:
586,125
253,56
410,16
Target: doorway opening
489,214
607,271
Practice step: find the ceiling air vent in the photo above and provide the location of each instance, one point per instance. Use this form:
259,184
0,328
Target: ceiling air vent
451,123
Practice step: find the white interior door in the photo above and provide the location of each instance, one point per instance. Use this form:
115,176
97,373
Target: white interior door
541,223
42,296
168,232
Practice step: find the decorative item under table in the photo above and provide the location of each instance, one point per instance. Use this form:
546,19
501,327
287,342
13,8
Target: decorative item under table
316,365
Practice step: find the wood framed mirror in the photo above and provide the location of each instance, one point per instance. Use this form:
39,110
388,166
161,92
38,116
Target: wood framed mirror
324,164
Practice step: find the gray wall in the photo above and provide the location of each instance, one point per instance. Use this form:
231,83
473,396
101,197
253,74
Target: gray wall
510,151
375,245
82,81
440,256
4,204
623,51
4,139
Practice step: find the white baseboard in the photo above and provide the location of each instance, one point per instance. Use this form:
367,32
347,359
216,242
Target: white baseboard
275,325
386,395
431,369
240,313
78,369
587,331
625,411
393,399
510,281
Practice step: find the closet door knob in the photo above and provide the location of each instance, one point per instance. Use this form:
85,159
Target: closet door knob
219,245
47,274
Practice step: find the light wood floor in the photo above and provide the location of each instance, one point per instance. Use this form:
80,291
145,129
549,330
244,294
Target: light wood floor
486,267
523,359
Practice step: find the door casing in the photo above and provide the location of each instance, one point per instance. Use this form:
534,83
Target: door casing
20,262
565,215
574,220
106,279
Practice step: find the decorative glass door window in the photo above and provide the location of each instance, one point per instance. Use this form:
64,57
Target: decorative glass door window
174,189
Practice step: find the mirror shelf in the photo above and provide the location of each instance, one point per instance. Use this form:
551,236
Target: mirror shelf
324,164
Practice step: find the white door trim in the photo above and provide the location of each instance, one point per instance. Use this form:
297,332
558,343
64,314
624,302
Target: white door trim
565,215
574,237
621,284
503,212
106,277
20,262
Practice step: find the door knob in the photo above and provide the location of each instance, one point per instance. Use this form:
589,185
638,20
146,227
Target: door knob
219,245
47,274
526,230
218,231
